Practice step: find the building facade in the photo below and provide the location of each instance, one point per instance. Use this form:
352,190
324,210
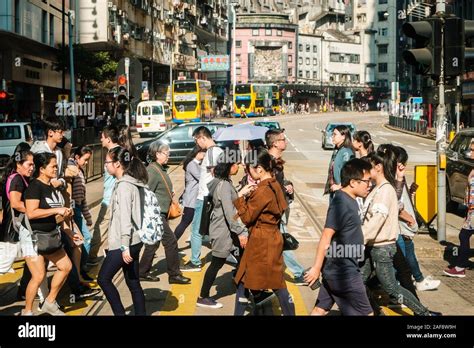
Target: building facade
265,48
31,34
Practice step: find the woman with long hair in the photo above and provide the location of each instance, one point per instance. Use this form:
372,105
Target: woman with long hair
341,138
125,139
224,227
125,218
260,208
362,144
191,167
380,228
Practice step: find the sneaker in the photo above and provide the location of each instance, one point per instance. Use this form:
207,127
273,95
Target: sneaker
427,284
300,281
26,314
454,272
86,293
263,297
51,308
231,259
191,267
208,303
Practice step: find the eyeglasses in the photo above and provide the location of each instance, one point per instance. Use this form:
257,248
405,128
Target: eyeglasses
167,154
107,162
366,181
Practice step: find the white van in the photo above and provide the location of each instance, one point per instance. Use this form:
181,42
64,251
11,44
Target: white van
153,116
11,134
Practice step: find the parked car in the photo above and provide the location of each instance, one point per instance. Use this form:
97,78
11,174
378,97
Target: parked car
11,134
268,124
181,142
327,134
459,163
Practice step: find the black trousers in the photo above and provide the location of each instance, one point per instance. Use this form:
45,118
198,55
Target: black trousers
171,252
186,220
216,264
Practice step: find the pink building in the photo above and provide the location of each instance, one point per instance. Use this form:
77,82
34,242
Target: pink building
265,48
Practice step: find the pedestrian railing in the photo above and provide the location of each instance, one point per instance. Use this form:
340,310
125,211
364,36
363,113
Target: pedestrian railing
409,124
83,136
95,166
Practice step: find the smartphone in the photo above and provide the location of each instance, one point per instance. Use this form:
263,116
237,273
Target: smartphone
316,284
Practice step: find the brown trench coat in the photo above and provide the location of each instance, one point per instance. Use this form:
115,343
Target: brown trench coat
261,266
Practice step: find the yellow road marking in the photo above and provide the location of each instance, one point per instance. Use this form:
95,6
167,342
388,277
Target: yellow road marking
399,311
300,307
13,277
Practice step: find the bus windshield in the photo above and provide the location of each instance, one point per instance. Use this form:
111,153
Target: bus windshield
182,106
242,89
185,87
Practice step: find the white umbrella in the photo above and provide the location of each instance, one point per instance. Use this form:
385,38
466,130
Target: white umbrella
240,132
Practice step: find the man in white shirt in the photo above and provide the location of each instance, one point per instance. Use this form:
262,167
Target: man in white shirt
203,138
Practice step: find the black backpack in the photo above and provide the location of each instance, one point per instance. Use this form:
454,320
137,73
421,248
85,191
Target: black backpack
208,207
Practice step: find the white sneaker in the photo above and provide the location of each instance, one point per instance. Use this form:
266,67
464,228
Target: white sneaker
231,259
51,308
428,284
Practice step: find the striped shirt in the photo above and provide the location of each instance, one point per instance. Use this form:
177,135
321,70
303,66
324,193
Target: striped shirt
79,193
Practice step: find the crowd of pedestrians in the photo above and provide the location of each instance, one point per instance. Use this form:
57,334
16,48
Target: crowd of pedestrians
371,218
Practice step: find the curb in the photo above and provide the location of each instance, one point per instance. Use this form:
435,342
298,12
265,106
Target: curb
387,126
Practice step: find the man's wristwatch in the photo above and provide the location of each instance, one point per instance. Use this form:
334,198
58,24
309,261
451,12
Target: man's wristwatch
123,248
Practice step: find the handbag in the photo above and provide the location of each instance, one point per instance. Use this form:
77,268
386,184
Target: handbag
207,208
289,242
46,242
175,210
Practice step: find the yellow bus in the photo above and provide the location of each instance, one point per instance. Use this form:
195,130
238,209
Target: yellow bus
244,99
191,101
276,99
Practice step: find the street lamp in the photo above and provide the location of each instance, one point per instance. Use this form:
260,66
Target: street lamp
233,5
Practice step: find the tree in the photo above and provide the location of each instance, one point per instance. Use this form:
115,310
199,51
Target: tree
90,67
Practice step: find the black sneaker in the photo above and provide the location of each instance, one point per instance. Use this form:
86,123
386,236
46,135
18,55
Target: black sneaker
208,303
191,267
149,278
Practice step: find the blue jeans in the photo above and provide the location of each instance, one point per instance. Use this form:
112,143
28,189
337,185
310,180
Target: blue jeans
82,224
382,257
196,238
408,249
290,259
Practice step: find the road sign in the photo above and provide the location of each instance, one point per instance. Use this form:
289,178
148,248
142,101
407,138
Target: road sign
144,85
63,97
417,100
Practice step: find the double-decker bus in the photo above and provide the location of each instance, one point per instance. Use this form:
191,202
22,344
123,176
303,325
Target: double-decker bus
275,99
244,98
191,101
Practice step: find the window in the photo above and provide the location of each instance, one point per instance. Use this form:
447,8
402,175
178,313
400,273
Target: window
308,74
315,49
290,71
290,58
237,57
362,18
300,60
17,17
315,61
51,30
383,31
290,45
381,2
354,58
315,74
300,73
307,61
382,17
238,43
44,27
10,133
238,71
308,47
180,134
279,33
268,32
383,67
334,57
300,47
255,32
383,49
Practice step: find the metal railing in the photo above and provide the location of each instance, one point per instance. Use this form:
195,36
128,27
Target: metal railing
83,136
95,166
409,124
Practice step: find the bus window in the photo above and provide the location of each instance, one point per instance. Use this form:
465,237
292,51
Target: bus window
182,106
242,89
185,87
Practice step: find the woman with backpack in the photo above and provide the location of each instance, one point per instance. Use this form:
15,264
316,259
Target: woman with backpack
160,184
260,208
125,219
224,227
192,168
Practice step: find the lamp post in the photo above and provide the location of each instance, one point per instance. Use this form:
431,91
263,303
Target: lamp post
71,17
233,5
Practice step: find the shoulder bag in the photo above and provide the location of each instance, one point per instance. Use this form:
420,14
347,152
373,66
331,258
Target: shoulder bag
175,209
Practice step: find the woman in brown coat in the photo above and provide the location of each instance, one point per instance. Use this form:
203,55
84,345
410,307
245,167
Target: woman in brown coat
260,208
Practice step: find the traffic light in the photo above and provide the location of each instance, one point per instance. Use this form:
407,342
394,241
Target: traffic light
6,100
468,33
426,56
122,97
